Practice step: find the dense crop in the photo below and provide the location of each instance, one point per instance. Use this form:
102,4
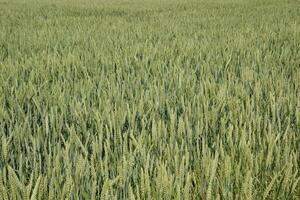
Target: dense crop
149,99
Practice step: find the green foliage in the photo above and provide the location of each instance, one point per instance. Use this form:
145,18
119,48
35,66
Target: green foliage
149,99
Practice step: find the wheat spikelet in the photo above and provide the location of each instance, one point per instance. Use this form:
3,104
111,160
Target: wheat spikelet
105,192
3,189
247,186
51,192
4,147
212,176
227,167
36,189
138,196
187,187
80,165
142,184
25,192
131,194
269,187
147,183
94,180
43,188
14,182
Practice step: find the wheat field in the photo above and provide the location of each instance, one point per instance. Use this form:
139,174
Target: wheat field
149,99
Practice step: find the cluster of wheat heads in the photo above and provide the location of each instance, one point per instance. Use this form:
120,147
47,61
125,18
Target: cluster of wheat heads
151,100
